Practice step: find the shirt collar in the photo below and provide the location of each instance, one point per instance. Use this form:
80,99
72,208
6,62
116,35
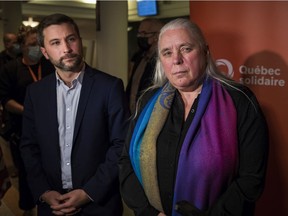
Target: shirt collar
79,77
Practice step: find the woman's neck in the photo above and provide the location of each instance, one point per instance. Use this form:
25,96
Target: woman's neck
188,98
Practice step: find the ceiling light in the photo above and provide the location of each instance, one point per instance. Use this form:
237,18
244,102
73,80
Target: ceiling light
30,22
89,1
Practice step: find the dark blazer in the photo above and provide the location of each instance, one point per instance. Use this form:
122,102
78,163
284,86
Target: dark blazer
146,79
99,134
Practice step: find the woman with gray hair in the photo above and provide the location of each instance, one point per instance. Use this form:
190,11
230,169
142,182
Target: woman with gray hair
198,143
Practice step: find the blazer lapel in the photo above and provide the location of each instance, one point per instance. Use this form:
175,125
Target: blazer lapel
84,96
51,102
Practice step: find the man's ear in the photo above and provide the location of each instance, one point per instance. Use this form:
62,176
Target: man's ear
43,50
156,36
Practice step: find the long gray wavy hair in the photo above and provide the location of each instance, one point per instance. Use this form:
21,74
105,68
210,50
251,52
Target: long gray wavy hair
209,66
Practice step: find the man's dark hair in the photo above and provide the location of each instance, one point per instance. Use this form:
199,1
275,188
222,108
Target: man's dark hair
24,32
54,19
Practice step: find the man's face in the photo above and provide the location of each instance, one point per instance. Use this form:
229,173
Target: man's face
146,31
63,47
30,40
12,39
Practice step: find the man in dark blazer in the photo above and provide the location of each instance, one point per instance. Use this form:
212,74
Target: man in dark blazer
74,125
143,62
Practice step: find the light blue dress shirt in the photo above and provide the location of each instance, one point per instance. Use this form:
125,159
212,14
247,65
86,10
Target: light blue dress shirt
67,104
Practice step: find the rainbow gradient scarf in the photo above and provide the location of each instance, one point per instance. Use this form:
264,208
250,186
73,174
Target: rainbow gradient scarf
209,155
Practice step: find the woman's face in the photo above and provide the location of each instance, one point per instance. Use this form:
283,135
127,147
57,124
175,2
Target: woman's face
181,59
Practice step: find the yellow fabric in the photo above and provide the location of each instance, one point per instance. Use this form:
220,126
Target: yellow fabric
148,164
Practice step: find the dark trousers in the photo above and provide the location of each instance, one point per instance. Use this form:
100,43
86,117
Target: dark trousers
26,201
45,210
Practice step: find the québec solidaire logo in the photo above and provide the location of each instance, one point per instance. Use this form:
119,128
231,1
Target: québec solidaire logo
256,75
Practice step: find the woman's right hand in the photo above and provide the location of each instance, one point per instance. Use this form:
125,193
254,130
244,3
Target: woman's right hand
161,214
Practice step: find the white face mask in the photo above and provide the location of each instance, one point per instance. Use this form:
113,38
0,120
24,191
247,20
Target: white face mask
34,53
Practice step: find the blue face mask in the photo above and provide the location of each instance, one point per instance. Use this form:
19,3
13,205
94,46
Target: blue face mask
16,49
34,53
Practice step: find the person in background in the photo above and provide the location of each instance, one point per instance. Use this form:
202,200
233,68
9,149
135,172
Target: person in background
198,143
143,62
74,126
5,182
11,48
11,51
16,76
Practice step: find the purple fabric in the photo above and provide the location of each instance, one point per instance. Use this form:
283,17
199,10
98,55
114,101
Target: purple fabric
209,155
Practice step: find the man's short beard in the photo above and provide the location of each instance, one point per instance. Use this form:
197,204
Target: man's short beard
74,67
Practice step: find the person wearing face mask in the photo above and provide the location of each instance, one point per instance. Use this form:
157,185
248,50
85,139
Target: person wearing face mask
11,51
11,48
143,62
14,79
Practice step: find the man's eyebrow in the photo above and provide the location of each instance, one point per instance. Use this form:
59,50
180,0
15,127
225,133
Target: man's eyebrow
53,39
68,36
72,35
